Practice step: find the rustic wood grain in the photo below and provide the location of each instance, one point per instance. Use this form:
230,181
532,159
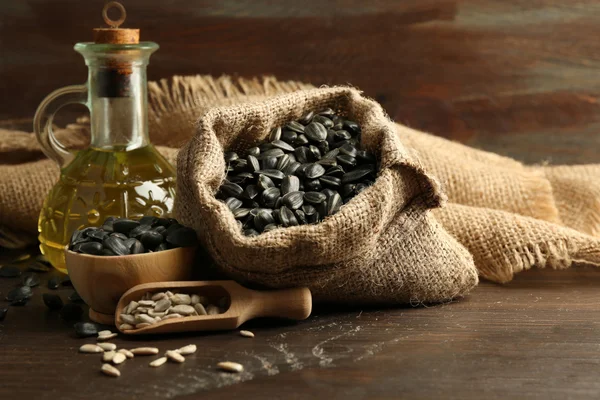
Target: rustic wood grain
488,73
534,338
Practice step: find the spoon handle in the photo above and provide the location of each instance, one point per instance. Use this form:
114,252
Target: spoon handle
293,303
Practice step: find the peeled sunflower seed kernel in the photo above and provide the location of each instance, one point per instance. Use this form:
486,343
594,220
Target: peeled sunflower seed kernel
108,356
144,351
187,350
174,356
126,327
107,346
90,348
119,358
230,366
107,337
158,362
109,370
247,334
127,353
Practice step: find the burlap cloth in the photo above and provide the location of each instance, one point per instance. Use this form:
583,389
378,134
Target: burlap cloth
510,217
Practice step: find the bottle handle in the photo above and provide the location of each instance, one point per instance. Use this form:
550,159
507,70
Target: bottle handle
42,122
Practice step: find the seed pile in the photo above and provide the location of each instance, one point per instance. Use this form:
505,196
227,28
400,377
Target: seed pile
120,237
155,307
304,172
114,356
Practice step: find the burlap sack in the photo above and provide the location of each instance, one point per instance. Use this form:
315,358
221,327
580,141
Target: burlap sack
382,247
493,199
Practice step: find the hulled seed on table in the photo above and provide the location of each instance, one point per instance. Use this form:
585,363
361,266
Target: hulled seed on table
91,348
9,271
247,334
229,366
158,362
107,337
104,332
175,356
108,356
187,350
107,346
119,358
109,370
53,283
144,351
127,353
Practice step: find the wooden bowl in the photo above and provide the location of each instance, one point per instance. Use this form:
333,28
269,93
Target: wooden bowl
101,281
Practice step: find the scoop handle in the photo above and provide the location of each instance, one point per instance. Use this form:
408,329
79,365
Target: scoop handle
293,303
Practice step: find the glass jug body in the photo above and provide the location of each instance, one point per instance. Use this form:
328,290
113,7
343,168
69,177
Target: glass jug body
121,174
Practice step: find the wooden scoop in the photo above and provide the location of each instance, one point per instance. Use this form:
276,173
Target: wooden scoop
245,304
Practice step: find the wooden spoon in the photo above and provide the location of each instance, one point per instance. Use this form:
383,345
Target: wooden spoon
245,304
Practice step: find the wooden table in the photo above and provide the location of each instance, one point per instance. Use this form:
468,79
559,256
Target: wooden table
535,338
517,77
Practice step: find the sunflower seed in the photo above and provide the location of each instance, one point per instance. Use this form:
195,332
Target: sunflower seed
314,197
90,348
108,356
301,217
289,136
346,160
119,358
271,173
264,182
229,366
293,200
262,219
158,296
357,173
54,283
331,181
182,309
212,310
306,118
231,189
280,144
109,370
315,131
107,337
127,353
231,156
104,333
333,204
295,127
247,334
314,171
174,356
158,362
107,346
142,325
275,134
52,301
200,309
174,315
287,217
144,351
131,307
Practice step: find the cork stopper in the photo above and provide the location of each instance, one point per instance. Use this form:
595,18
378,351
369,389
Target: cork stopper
114,34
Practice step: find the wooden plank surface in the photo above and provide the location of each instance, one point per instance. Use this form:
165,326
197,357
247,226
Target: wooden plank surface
535,338
489,73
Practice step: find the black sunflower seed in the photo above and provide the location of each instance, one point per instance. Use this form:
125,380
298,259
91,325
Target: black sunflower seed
150,239
54,283
160,229
352,126
275,134
52,301
85,329
334,203
30,279
139,230
360,187
233,203
357,173
270,197
306,118
289,136
314,197
342,135
295,127
314,153
271,153
116,245
251,191
119,235
93,248
97,234
313,185
71,312
136,247
287,217
289,184
364,155
10,271
348,190
323,147
293,200
250,232
253,151
283,162
124,226
241,213
314,171
301,217
66,281
231,156
301,140
328,112
309,209
240,165
150,220
18,293
264,147
331,181
291,168
231,189
269,163
271,173
253,163
270,227
316,132
337,170
323,120
302,154
346,160
349,150
262,219
280,144
3,312
75,297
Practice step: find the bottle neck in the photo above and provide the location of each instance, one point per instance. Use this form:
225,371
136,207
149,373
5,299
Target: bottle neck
118,106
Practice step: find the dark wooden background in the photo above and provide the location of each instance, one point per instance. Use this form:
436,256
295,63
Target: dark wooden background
501,75
520,77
